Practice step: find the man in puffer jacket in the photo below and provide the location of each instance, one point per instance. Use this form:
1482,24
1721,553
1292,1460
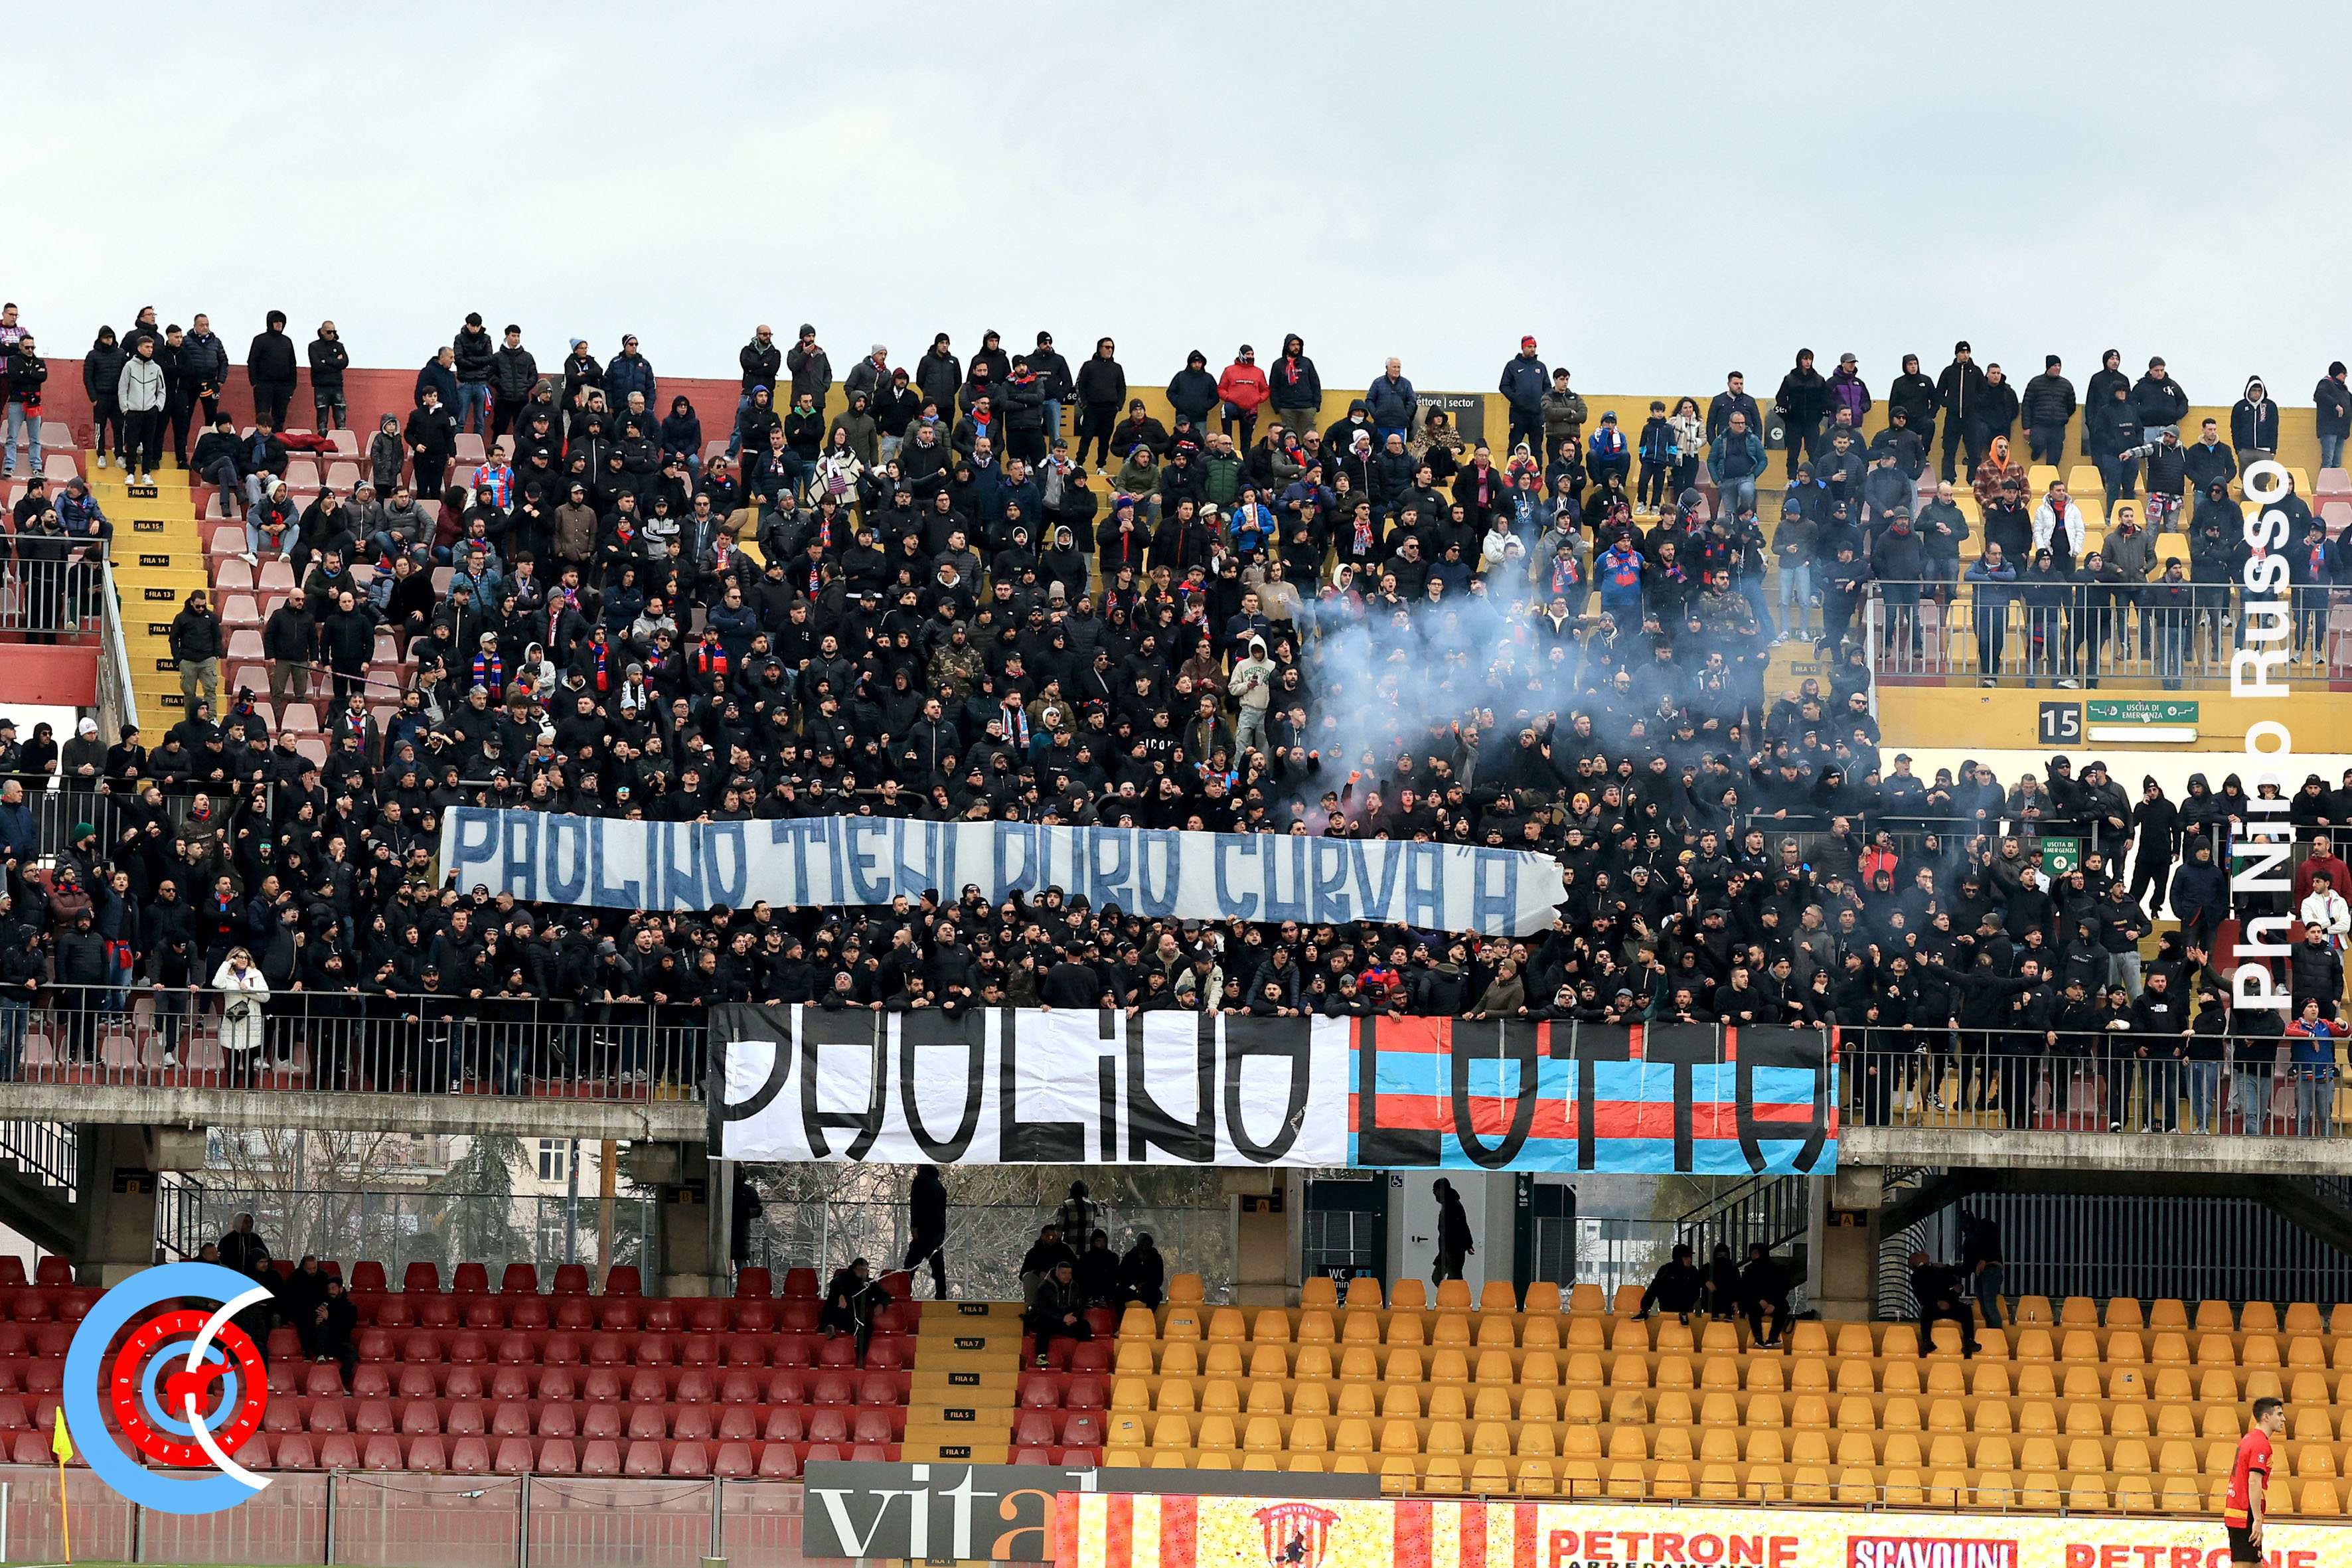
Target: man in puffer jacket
1563,416
329,359
1522,385
140,391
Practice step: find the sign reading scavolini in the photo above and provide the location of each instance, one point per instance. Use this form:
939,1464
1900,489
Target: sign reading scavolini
1034,1086
609,863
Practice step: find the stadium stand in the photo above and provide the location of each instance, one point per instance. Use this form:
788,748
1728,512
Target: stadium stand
551,1381
1580,1397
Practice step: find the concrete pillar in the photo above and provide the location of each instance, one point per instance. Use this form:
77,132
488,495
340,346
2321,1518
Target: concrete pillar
1845,1237
689,1236
114,1202
1263,1210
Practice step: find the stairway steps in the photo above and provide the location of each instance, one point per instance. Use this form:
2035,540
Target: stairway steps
967,1375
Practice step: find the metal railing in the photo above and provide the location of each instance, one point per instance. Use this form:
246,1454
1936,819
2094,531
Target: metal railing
118,693
522,1047
2063,635
2093,1083
56,601
2146,1246
397,1227
48,1152
348,1519
58,811
1772,1210
986,1241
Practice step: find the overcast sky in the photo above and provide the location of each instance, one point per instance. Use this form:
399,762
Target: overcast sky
1658,193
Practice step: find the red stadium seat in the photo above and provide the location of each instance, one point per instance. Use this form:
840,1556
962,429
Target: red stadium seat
519,1279
468,1455
514,1457
557,1456
602,1457
623,1279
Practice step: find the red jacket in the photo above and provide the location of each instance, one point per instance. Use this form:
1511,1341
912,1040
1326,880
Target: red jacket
1243,386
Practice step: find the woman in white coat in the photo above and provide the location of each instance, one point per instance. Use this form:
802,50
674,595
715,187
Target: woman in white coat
243,994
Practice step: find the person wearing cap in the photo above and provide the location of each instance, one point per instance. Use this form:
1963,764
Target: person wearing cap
1960,392
1241,391
1524,384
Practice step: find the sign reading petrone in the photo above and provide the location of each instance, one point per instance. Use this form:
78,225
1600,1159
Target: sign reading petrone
1033,1086
608,863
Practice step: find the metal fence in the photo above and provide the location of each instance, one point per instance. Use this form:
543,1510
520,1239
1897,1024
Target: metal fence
2107,1245
399,1519
2061,635
58,811
399,1228
986,1241
2093,1084
54,601
515,1046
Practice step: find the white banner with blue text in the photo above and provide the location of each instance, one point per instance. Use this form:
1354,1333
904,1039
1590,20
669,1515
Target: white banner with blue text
608,863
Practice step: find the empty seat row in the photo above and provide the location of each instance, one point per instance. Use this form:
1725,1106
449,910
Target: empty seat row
695,1457
561,1348
564,1419
688,1385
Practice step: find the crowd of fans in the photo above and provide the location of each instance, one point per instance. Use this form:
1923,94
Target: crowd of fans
927,604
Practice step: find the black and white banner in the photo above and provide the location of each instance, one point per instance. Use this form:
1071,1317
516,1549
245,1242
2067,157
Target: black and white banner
1018,1086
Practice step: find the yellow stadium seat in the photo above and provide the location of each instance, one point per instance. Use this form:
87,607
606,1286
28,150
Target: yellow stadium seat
1630,1405
1534,1478
2131,1454
1320,1292
1399,1437
2302,1318
1494,1366
1185,1288
2078,1311
1269,1361
2319,1499
1448,1367
1720,1338
1134,1359
1766,1375
2123,1312
2259,1349
1581,1406
1171,1432
1539,1333
2086,1492
1226,1324
1673,1480
1450,1329
1137,1324
1674,1336
1628,1301
2180,1495
1182,1359
1400,1401
1220,1394
1764,1484
1364,1291
2215,1350
1675,1371
1360,1328
1900,1415
1767,1445
1718,1483
1587,1298
1857,1448
1809,1339
1177,1393
1311,1362
2311,1418
1130,1393
1308,1436
1216,1432
2034,1310
1264,1397
1353,1437
2082,1419
1809,1483
2314,1460
1271,1326
1407,1327
1543,1299
1439,1475
1858,1487
1496,1332
1672,1441
1540,1367
1403,1365
1408,1294
1222,1358
1627,1483
1184,1323
1630,1370
1853,1377
1313,1399
1488,1476
1580,1479
1446,1438
1854,1340
2258,1318
1496,1295
1900,1343
1992,1378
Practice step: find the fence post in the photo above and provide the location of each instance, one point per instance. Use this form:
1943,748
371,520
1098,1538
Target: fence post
522,1524
717,1551
138,1533
333,1475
